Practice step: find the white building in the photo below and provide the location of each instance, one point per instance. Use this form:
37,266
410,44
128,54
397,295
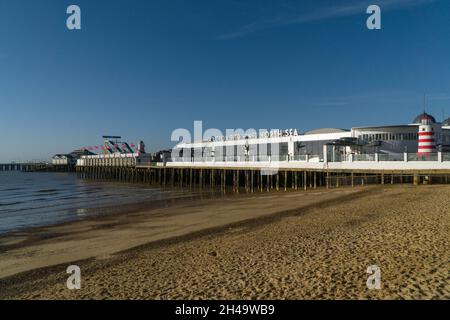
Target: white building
115,160
69,159
330,144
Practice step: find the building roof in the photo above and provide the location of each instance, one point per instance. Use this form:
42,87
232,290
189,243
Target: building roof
81,152
446,122
325,130
386,127
59,156
74,154
424,116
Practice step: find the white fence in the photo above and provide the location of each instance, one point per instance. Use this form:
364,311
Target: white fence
399,161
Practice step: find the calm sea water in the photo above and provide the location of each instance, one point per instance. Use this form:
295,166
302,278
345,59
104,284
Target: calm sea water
40,199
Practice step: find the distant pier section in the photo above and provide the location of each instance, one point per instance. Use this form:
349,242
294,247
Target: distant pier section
21,166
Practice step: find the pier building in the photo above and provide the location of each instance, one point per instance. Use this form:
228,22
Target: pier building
424,136
282,159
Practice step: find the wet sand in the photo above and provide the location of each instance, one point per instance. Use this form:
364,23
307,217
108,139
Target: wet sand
281,245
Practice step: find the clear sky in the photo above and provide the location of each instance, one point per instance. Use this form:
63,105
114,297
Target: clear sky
141,69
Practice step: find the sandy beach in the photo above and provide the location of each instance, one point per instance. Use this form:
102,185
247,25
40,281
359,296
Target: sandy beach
313,244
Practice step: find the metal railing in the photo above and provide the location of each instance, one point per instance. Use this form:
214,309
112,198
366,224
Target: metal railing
391,157
372,157
279,158
364,157
299,157
425,157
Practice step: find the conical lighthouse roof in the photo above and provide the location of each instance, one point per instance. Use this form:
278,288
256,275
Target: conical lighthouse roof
424,116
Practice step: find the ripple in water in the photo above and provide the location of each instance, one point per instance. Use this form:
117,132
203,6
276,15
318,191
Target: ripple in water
31,199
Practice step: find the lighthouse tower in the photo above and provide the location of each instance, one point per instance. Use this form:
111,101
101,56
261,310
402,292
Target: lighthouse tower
427,141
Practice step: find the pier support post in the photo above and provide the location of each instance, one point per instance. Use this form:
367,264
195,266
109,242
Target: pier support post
260,180
211,179
247,181
201,179
285,180
416,179
315,180
305,180
252,173
292,179
278,181
182,177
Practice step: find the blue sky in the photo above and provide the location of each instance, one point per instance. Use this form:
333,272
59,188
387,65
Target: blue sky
141,69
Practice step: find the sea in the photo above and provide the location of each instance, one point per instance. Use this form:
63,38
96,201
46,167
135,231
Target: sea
36,199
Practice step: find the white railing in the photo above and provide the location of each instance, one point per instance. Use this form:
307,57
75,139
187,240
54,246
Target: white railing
373,157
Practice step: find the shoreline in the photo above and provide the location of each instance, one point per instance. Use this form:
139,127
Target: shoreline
100,213
140,220
79,208
105,212
324,219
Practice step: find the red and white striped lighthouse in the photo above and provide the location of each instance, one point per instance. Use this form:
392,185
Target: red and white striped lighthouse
427,141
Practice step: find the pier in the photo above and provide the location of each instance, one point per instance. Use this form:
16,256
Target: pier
35,167
20,166
263,176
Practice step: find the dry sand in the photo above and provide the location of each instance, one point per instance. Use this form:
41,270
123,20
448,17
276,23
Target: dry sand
281,245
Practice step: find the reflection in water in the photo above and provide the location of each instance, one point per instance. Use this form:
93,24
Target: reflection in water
37,199
82,212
